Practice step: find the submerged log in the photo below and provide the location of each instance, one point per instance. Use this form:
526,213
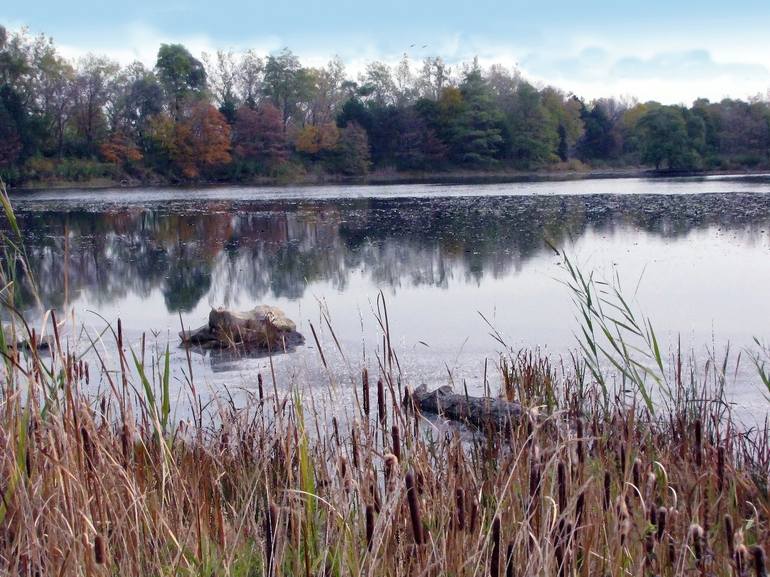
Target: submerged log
13,336
481,412
263,328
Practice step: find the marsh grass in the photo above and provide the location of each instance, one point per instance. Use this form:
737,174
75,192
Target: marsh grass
586,483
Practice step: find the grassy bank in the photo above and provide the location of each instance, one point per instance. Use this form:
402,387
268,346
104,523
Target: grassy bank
597,478
377,177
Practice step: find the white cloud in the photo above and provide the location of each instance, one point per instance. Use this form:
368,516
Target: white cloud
669,69
140,42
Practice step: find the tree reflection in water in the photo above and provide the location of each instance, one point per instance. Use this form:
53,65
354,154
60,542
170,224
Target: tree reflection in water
235,247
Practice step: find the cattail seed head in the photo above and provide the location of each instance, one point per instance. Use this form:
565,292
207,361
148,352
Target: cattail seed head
494,562
580,447
381,414
625,520
637,472
720,468
343,467
391,464
414,508
696,537
396,440
698,433
369,526
652,482
741,559
354,443
758,555
662,514
460,505
730,536
99,553
561,476
509,561
365,390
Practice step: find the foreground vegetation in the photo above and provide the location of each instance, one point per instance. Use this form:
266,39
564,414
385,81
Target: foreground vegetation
244,118
99,478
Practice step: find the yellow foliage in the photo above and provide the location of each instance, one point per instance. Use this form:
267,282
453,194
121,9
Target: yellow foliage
451,99
314,139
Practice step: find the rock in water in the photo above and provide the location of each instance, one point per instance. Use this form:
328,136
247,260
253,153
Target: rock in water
264,328
481,412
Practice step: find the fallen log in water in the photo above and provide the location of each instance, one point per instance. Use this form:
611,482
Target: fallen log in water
262,328
481,412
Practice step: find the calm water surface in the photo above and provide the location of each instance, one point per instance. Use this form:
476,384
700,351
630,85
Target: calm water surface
694,254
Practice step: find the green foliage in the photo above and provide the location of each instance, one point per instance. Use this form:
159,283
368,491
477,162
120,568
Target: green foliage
180,73
352,155
667,140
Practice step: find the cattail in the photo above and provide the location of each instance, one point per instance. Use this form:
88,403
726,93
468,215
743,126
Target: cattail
365,388
369,526
88,448
336,431
758,554
661,522
622,461
698,442
99,556
625,520
474,515
414,508
354,442
391,464
509,561
381,414
494,562
375,493
396,438
652,481
460,504
561,476
261,389
637,472
607,483
580,448
534,483
730,536
343,467
653,515
579,508
741,559
271,526
720,468
696,536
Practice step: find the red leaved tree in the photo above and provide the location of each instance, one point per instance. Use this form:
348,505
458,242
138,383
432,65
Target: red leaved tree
258,135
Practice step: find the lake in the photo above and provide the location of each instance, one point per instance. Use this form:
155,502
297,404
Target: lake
691,253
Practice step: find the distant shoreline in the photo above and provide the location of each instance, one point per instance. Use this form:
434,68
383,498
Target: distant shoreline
391,177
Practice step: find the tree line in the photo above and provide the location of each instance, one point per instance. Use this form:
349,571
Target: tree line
241,116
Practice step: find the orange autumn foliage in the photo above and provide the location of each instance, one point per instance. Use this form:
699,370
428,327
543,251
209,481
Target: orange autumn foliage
201,139
119,149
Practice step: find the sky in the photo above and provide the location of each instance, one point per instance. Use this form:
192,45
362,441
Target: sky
672,51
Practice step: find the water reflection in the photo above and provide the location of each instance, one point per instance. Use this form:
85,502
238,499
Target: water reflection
237,248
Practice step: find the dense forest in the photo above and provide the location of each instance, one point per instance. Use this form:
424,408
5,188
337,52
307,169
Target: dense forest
241,117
